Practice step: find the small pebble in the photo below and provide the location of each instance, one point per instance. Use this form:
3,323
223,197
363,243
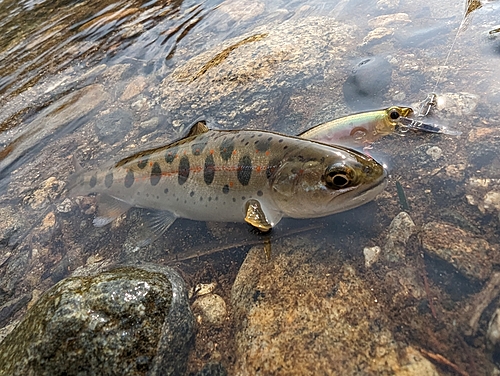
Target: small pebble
210,308
371,255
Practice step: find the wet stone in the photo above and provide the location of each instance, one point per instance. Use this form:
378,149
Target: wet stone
211,309
469,254
113,126
400,230
130,321
298,315
212,369
493,336
11,223
367,83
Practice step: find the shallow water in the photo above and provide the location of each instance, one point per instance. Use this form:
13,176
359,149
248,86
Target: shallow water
98,81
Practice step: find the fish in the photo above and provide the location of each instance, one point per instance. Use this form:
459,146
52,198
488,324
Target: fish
359,129
250,176
364,128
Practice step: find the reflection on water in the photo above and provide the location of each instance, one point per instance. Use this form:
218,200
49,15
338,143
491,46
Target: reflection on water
98,81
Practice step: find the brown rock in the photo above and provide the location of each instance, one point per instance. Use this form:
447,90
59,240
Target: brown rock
298,314
469,254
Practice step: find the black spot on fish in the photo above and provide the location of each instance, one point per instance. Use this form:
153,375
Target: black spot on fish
108,180
201,198
280,140
209,170
170,155
155,174
209,198
234,199
183,170
263,145
93,181
129,179
192,193
285,147
216,198
198,147
260,193
165,191
226,149
243,197
244,171
225,189
143,162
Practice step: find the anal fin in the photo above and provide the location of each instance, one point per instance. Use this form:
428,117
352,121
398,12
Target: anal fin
108,209
156,222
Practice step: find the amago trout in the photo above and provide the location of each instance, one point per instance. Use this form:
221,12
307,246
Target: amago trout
231,176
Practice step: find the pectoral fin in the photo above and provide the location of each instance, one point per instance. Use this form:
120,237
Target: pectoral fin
108,209
257,216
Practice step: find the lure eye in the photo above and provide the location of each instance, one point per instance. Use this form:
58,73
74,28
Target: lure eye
338,176
394,114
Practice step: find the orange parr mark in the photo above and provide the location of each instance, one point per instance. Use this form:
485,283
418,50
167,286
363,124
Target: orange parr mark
211,151
257,168
234,152
231,184
268,153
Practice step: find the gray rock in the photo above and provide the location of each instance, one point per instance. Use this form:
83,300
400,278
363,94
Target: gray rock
212,369
368,81
127,321
469,254
261,69
113,126
400,230
11,222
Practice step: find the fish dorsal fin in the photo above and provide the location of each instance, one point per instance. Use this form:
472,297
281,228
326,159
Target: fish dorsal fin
108,209
199,127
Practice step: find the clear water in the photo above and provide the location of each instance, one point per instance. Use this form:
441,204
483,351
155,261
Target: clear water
100,80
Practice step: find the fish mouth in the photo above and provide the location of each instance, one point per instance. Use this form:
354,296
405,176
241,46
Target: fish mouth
367,194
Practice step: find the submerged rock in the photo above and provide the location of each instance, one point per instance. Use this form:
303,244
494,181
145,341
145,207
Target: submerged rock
368,82
469,254
298,314
128,321
400,230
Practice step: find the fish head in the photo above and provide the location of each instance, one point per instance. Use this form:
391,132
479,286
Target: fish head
391,119
321,181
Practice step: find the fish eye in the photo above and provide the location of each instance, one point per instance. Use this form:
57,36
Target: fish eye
338,176
394,114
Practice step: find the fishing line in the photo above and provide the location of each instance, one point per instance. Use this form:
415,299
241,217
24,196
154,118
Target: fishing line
430,101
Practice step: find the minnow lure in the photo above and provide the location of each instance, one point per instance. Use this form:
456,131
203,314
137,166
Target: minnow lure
359,129
234,176
364,128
